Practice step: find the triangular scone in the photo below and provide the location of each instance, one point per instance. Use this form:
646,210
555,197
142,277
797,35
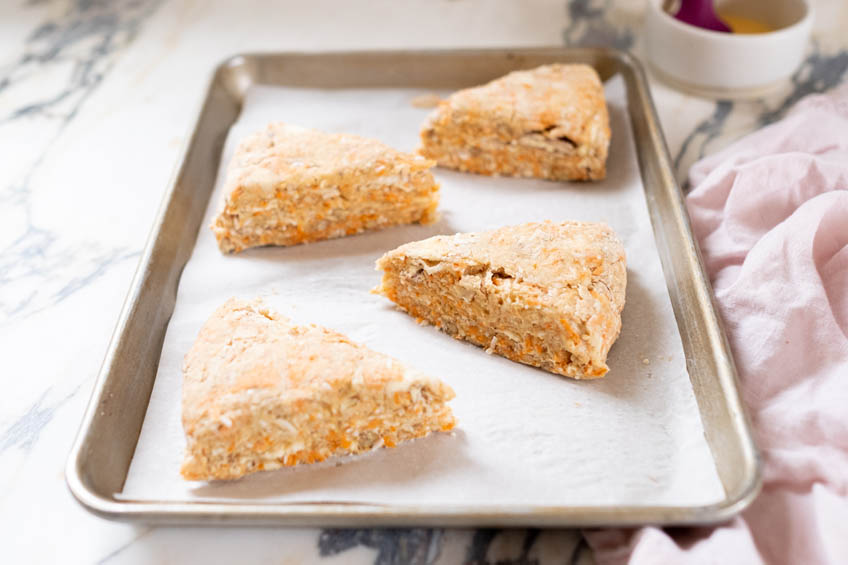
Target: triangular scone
261,393
550,122
546,294
288,185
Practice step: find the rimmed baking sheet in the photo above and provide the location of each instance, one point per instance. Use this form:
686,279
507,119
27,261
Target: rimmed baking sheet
530,446
634,437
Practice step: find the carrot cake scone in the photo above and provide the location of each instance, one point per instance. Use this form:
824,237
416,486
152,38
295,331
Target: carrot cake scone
550,122
288,185
545,294
261,393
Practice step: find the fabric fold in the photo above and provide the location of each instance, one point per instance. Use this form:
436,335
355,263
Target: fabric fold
770,213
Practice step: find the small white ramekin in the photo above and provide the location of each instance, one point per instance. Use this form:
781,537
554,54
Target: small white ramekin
727,65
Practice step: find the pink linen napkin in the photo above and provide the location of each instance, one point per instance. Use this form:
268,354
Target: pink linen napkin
771,215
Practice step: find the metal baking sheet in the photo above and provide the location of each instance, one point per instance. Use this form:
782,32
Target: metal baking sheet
103,451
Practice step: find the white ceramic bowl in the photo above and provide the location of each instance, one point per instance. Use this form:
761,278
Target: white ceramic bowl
726,64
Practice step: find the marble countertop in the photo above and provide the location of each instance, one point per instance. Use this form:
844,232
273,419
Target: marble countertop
96,98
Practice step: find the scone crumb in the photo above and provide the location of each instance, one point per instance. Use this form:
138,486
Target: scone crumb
426,101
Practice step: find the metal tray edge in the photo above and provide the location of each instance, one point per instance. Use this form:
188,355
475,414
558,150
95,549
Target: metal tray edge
107,506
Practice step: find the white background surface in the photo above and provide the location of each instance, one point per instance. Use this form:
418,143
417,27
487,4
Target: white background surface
631,438
111,91
93,185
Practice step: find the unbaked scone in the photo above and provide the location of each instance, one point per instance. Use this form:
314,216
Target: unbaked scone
545,294
288,185
261,393
550,122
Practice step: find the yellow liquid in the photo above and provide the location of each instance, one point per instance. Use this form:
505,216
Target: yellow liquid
744,25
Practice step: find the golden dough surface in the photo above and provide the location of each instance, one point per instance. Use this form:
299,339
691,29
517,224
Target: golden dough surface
260,392
287,185
550,122
546,294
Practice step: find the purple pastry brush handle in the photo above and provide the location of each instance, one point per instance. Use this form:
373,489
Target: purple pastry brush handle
700,13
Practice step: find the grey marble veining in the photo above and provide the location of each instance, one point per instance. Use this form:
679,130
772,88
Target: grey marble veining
62,62
24,431
409,545
421,546
616,24
37,268
819,72
589,24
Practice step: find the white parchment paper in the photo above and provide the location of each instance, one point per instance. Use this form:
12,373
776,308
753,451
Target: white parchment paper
524,437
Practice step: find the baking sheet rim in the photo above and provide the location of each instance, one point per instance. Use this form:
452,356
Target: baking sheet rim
230,76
